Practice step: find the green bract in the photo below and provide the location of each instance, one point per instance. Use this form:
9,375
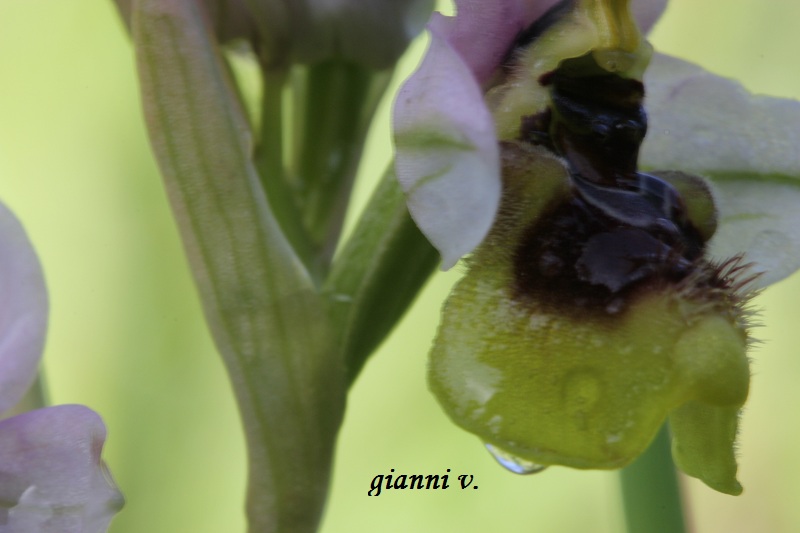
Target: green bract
570,378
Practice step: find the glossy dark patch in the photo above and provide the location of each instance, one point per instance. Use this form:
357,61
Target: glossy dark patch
648,203
577,257
621,231
598,120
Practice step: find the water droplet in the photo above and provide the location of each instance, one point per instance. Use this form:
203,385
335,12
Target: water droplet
514,463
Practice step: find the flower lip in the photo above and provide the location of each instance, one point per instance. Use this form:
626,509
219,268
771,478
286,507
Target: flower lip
52,474
581,365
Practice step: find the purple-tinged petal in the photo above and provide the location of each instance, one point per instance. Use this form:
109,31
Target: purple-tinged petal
447,157
482,32
23,311
52,479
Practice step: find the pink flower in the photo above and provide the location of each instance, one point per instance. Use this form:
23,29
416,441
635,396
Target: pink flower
52,478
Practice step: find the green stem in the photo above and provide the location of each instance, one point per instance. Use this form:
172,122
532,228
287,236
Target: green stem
269,161
650,490
263,310
333,104
377,274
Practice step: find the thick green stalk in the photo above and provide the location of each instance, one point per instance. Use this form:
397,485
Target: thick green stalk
650,490
264,312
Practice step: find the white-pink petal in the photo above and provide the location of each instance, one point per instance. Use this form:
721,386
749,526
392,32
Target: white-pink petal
52,478
482,32
447,157
746,144
23,311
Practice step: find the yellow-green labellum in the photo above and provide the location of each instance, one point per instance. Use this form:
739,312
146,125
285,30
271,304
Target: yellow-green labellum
557,361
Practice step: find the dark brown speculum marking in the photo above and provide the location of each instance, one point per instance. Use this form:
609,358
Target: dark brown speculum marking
576,256
620,231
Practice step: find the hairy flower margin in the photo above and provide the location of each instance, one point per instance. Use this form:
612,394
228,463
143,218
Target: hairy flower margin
52,479
448,161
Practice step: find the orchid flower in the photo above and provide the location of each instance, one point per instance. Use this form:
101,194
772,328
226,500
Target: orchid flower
52,479
503,163
546,372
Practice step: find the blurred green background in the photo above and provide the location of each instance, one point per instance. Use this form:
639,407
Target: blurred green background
127,338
